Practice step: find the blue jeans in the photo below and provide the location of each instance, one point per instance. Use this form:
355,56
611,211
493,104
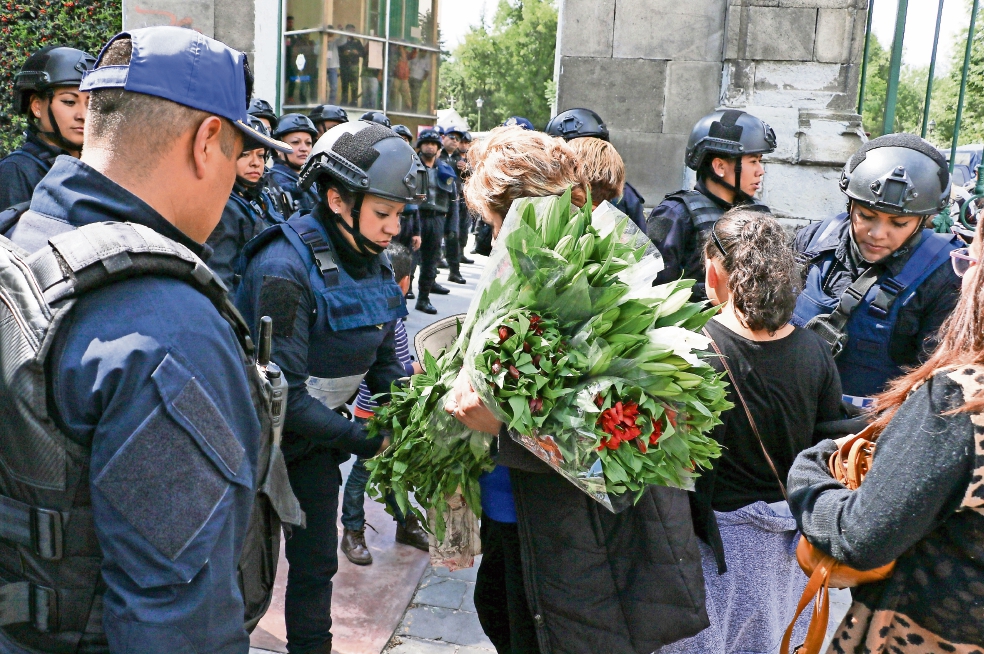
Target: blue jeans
354,497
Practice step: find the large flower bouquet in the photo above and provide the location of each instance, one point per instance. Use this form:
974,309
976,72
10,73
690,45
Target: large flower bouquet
589,366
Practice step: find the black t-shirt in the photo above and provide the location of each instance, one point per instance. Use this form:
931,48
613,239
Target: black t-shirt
790,385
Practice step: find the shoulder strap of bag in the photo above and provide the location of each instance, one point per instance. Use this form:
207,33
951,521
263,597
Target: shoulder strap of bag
748,413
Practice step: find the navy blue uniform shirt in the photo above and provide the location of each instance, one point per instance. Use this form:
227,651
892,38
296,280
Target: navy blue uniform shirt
294,306
287,178
148,376
22,169
631,204
247,213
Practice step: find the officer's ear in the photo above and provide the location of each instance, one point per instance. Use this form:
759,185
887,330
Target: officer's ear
37,105
719,167
337,203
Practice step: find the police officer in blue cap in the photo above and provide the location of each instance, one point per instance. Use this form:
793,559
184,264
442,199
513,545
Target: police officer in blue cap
325,281
248,212
297,131
47,92
725,148
436,210
879,283
140,471
585,123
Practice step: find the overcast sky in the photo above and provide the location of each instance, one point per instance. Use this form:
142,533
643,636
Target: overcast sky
457,16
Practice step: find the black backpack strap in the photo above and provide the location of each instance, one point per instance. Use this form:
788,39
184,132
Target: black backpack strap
94,256
10,216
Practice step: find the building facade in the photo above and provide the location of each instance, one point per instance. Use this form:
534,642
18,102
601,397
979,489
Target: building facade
360,54
652,68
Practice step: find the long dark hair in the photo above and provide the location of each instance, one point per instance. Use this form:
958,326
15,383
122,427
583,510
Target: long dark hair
762,273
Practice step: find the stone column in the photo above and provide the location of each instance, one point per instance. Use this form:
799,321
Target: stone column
652,68
796,64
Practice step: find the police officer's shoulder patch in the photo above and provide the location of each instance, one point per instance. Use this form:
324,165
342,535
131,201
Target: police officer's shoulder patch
169,476
279,299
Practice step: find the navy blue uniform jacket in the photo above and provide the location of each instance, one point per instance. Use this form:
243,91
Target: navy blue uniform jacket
148,375
22,169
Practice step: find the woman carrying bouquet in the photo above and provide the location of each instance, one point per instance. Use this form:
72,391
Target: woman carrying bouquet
569,576
921,504
784,382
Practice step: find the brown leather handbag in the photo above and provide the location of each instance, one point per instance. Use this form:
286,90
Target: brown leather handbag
849,465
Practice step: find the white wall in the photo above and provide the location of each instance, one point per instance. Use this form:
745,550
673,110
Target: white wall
267,50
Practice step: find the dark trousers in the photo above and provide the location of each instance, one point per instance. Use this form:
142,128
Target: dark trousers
312,552
451,250
500,596
350,85
464,227
431,232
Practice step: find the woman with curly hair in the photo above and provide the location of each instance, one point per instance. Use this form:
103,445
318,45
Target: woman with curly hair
559,572
921,503
784,382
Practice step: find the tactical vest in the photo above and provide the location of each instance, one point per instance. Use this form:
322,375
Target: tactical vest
865,364
704,211
50,594
343,302
440,188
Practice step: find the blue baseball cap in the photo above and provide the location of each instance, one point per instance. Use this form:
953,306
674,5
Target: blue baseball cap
519,121
186,67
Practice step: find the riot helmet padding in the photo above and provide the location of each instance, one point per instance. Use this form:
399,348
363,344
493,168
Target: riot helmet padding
263,109
899,174
44,71
365,158
578,123
728,134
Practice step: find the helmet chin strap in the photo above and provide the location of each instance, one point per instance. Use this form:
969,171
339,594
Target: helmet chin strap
363,246
740,196
56,136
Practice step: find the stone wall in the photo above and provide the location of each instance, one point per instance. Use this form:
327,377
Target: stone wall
651,68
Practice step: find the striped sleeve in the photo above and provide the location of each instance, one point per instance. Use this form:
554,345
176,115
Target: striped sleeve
364,405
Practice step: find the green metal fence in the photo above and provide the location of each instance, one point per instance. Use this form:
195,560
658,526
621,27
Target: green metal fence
895,67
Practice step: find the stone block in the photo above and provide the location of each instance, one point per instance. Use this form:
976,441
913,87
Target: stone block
415,646
464,574
448,593
588,28
732,29
781,34
626,93
828,138
235,24
785,121
693,89
802,192
806,85
825,4
835,31
435,623
198,15
669,29
653,162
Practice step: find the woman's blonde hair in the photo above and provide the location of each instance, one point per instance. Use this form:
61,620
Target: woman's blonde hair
512,163
601,167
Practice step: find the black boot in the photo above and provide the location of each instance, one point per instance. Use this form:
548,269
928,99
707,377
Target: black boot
423,304
463,259
456,278
412,534
440,290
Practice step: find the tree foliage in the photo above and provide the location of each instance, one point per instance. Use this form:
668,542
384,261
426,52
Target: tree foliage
26,27
509,66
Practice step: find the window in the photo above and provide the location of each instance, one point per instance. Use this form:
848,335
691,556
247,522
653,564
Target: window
341,52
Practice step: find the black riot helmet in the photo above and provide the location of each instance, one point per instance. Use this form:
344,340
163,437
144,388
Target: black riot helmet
404,131
289,123
263,109
43,72
257,125
328,112
899,174
577,123
377,117
429,136
729,134
365,158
